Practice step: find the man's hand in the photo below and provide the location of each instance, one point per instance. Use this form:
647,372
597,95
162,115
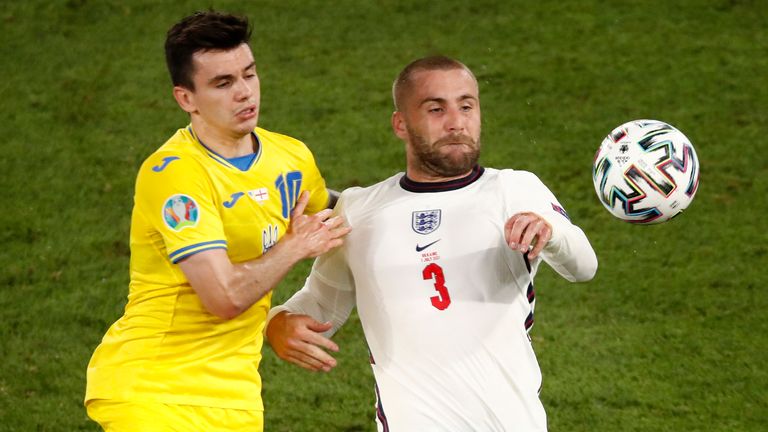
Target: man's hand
298,339
314,235
525,229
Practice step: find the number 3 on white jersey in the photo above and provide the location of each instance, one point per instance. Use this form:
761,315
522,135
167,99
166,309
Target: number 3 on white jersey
435,272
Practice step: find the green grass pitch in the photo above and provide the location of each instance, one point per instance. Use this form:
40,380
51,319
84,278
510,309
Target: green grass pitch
671,335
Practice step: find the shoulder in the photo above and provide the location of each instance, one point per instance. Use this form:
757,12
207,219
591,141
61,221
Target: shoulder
519,181
288,142
518,188
359,194
178,157
518,177
358,198
285,149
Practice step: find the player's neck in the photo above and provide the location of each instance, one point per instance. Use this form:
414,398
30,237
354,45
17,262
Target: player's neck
228,145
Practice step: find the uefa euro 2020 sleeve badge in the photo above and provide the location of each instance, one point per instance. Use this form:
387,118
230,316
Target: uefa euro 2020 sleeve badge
180,211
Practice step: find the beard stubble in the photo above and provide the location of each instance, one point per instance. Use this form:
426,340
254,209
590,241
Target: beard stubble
433,160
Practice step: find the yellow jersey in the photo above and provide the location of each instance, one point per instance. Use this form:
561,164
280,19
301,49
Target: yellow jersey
166,347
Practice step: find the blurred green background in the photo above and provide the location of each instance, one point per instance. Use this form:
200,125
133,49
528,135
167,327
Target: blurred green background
670,334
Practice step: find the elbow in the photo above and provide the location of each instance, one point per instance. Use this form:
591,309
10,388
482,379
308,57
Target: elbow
218,285
232,298
223,303
225,310
232,305
587,271
229,312
582,270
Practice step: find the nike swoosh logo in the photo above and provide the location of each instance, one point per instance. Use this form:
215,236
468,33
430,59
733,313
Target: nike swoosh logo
421,248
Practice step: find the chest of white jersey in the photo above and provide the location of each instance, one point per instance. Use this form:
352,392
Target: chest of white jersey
436,264
444,303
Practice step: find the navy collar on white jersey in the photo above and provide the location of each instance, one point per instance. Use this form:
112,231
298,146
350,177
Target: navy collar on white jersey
420,187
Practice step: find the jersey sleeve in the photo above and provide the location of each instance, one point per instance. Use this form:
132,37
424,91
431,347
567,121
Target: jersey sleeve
568,252
175,197
315,184
328,293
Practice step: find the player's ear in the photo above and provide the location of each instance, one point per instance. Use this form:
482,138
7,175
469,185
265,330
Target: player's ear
185,98
399,126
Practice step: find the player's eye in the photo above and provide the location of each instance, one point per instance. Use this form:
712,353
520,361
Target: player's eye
435,110
223,84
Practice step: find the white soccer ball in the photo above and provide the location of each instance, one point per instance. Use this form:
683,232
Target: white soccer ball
646,172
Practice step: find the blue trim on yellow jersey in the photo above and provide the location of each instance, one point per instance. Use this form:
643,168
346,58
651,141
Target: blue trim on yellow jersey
186,251
228,162
243,162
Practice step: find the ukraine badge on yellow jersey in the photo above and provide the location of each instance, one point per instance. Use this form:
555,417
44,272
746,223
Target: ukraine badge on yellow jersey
167,347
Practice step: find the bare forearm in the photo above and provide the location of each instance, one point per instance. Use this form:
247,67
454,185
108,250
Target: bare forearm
228,289
251,280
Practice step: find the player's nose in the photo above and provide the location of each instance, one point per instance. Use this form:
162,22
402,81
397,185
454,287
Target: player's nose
243,90
455,120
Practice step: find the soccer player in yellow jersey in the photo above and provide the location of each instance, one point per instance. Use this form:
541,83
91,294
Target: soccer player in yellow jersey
209,204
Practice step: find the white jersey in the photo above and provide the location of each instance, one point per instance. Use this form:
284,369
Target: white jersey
445,304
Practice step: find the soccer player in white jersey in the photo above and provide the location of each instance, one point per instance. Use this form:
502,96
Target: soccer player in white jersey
440,264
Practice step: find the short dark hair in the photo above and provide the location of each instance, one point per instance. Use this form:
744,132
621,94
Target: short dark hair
201,31
402,84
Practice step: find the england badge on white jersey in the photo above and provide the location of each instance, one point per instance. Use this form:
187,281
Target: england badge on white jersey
425,221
